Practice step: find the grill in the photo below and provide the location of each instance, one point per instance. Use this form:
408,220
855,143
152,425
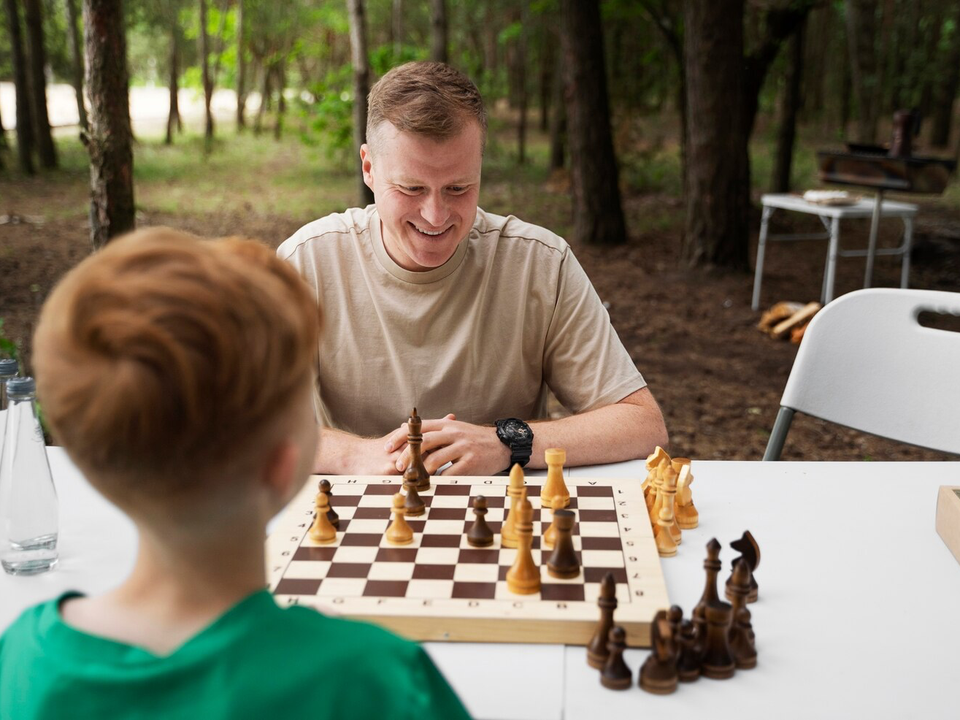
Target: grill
883,169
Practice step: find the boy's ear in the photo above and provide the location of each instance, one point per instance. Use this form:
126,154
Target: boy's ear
282,466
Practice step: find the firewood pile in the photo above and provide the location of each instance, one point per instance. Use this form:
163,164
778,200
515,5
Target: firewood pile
788,320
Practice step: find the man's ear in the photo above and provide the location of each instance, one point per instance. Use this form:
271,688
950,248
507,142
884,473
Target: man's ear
280,470
366,165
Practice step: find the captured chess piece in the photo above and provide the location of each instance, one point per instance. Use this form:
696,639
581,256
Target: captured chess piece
413,505
615,674
480,534
688,659
718,662
653,468
554,487
712,566
563,563
653,497
322,532
332,516
524,577
741,636
550,536
508,533
666,545
597,651
658,674
750,551
668,499
399,532
415,470
687,515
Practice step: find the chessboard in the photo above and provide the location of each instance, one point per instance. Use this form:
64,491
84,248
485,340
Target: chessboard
441,588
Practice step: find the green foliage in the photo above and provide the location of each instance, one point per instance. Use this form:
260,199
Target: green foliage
385,57
328,115
7,347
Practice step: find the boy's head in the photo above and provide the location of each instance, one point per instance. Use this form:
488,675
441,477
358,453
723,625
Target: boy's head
167,365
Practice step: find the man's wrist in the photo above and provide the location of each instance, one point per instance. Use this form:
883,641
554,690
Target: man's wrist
517,436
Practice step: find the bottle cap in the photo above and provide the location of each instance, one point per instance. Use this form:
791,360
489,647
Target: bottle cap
21,388
8,367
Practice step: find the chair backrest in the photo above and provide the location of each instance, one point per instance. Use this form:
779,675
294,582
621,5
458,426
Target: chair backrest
867,363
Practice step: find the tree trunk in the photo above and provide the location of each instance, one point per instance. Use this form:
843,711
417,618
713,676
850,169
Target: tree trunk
241,72
948,80
112,209
520,79
789,108
173,117
361,86
205,75
438,24
33,15
3,140
717,193
558,118
597,212
548,64
264,99
861,32
280,73
76,55
396,26
25,139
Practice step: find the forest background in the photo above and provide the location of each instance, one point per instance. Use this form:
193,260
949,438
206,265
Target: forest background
245,120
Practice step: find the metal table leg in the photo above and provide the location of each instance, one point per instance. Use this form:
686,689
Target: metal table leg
907,243
872,247
830,276
761,245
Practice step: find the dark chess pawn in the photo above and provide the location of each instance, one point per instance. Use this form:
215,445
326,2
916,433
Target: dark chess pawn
563,563
332,516
688,657
480,534
741,637
615,674
597,652
413,504
718,662
749,551
658,674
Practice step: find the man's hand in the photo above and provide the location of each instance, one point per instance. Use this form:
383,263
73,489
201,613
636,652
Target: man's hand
473,449
346,454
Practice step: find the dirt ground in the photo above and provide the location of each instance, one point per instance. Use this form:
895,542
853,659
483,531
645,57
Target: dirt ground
692,333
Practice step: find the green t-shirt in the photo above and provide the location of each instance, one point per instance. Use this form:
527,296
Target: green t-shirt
256,661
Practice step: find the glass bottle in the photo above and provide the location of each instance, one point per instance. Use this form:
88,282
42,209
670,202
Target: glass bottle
8,370
29,512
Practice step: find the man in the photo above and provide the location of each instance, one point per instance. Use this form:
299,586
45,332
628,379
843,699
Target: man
468,316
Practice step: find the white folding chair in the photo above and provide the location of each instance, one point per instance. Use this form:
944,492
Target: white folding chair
865,362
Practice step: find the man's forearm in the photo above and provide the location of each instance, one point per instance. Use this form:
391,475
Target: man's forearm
626,430
341,453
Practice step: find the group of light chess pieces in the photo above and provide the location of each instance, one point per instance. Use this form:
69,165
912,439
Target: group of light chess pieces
669,500
523,577
715,642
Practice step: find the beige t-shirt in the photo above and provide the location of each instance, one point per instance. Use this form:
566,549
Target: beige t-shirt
483,336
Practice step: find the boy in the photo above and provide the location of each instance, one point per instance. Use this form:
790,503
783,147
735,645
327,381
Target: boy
178,374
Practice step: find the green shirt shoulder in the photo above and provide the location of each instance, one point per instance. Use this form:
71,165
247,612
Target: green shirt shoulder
255,661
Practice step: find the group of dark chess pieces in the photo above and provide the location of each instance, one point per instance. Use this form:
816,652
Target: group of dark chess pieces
523,578
716,641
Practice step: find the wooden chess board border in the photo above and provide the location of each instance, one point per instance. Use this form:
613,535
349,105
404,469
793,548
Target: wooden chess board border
518,619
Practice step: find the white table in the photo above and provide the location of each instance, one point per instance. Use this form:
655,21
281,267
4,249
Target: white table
858,612
831,216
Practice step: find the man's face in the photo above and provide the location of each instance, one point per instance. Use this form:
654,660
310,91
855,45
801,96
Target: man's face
426,192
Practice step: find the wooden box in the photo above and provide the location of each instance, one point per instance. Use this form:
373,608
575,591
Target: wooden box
948,518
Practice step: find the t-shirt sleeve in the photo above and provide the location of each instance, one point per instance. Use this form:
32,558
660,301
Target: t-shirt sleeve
431,695
585,364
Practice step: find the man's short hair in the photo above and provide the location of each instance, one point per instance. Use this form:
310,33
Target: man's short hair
163,358
427,98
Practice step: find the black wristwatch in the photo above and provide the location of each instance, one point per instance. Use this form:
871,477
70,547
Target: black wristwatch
517,436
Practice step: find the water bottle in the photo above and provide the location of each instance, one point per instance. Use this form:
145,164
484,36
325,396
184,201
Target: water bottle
8,370
29,513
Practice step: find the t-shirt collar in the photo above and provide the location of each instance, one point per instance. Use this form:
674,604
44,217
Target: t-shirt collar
417,278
